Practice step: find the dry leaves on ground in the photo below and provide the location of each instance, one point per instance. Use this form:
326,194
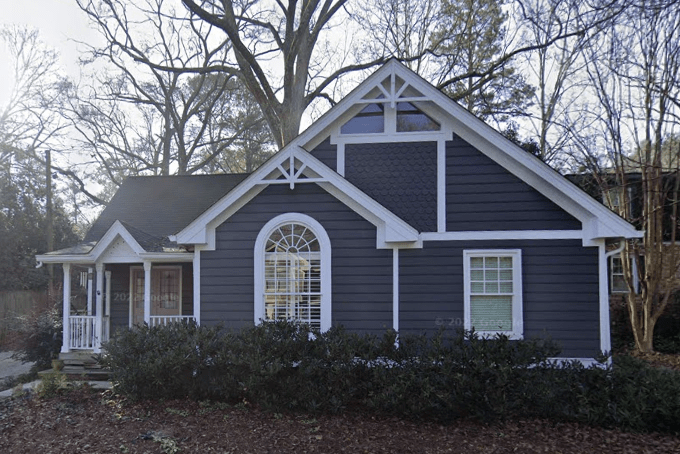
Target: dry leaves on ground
85,421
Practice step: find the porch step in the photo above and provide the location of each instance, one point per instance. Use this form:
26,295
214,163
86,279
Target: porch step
79,374
83,364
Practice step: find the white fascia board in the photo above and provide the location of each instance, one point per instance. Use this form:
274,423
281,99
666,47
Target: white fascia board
117,229
311,135
167,257
196,231
76,258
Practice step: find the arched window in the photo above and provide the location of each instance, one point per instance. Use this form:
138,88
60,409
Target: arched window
292,260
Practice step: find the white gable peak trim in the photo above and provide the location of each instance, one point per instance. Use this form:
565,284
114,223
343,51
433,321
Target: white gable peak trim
598,221
116,230
293,165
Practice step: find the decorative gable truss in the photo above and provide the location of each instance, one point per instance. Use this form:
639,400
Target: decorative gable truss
294,166
397,105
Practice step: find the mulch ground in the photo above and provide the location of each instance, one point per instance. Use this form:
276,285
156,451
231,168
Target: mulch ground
87,421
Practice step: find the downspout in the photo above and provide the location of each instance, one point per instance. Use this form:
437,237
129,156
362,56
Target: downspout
617,250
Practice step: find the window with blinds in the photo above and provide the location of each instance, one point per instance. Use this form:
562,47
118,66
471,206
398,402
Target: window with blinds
493,300
292,272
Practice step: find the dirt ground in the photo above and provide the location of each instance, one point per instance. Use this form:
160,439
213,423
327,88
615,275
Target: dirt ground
85,421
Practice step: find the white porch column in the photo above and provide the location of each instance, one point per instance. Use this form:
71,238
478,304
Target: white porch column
99,311
197,286
66,332
107,310
147,293
89,290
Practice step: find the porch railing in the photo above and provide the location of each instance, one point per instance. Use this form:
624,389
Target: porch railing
156,320
82,332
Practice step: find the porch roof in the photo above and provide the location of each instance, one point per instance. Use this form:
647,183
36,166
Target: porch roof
153,208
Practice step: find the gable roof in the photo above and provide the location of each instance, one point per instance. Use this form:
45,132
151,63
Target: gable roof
598,221
153,208
293,164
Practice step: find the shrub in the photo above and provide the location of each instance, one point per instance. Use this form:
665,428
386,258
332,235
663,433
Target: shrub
163,361
284,366
39,337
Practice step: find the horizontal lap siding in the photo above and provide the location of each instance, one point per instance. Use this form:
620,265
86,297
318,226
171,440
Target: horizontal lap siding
482,195
120,296
361,274
326,153
560,290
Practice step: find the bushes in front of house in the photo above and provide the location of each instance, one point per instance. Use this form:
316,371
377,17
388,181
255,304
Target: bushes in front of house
286,367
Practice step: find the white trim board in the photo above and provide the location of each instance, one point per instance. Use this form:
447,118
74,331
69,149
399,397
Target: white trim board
490,235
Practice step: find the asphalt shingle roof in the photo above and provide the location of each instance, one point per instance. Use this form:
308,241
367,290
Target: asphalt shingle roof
152,208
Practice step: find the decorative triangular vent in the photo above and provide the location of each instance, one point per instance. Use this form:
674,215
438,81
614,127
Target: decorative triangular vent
291,170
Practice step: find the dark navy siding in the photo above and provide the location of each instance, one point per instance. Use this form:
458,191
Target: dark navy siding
560,286
326,153
361,274
400,176
482,195
120,296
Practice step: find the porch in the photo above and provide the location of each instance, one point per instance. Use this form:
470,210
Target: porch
98,300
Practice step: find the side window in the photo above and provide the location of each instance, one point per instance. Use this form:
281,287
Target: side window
493,292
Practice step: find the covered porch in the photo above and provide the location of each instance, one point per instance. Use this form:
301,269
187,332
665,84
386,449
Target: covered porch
126,278
99,299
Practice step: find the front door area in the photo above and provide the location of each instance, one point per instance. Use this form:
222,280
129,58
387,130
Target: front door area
166,292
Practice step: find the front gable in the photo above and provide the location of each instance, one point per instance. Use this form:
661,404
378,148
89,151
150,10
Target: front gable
290,167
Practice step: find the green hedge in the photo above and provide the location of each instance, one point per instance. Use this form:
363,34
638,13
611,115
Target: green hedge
286,367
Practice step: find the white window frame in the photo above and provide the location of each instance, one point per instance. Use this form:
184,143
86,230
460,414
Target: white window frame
517,331
325,254
611,275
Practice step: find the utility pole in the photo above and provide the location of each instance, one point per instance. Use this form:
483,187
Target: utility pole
49,231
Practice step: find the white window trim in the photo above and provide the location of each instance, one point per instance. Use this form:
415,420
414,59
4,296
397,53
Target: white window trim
325,251
517,331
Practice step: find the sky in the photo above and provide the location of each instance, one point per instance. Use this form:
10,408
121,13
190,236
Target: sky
60,22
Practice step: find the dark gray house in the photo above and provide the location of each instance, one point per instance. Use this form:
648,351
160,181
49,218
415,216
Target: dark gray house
396,209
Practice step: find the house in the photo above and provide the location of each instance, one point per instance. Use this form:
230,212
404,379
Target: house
396,209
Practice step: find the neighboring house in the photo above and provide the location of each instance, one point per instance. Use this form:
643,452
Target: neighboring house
396,209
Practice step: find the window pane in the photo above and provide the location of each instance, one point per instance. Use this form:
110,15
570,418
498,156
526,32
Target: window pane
491,313
491,275
491,287
371,120
410,118
477,262
505,262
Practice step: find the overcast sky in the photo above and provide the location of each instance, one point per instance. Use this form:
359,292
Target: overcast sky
59,21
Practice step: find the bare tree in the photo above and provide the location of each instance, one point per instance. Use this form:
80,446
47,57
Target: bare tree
400,28
634,68
29,120
555,72
279,37
142,113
